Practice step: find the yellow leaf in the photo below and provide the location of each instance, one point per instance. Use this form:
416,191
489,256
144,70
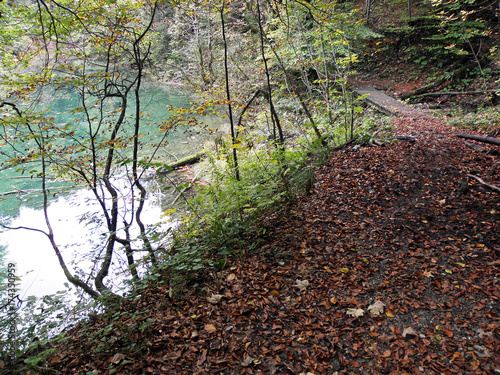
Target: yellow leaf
333,300
344,270
448,271
461,264
236,145
389,314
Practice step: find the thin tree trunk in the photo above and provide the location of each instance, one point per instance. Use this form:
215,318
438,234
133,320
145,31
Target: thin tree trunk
228,94
274,115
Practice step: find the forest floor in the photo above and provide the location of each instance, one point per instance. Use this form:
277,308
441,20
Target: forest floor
390,265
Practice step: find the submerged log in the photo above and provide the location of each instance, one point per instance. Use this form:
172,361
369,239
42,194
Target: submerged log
192,159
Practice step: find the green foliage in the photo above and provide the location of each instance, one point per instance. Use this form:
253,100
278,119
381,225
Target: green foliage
375,127
487,119
39,322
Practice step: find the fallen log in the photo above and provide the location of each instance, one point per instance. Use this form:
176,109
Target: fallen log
440,81
192,159
443,93
340,147
490,140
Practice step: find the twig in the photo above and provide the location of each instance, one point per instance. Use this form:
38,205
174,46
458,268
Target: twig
183,190
489,186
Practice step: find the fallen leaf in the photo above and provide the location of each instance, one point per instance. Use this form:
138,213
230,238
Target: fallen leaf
214,299
409,331
210,328
117,358
302,284
355,312
386,354
247,361
376,308
344,270
172,357
231,277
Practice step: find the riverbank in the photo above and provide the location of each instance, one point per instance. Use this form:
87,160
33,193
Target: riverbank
389,264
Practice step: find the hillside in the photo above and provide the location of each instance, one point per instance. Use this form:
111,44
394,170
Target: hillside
389,265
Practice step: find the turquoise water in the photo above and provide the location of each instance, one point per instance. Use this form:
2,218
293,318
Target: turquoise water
181,142
38,267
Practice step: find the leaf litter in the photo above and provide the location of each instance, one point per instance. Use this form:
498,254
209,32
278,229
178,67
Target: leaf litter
425,267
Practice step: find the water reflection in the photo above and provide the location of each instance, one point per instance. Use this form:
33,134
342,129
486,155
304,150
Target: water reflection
80,243
39,268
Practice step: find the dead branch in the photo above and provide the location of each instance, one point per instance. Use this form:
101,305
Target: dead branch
474,147
440,81
443,93
489,186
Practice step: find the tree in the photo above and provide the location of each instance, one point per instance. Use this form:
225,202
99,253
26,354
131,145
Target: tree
101,50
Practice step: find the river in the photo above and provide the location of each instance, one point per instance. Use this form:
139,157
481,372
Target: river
37,265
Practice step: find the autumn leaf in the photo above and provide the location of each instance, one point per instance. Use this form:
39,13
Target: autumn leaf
376,308
409,331
355,312
247,361
302,284
214,299
210,328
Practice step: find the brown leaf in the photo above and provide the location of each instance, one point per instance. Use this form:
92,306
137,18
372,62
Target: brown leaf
409,331
247,361
172,356
210,328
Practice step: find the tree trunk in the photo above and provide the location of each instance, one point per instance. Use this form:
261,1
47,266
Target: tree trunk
490,140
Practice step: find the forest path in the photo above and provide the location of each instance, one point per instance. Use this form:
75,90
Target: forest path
385,103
